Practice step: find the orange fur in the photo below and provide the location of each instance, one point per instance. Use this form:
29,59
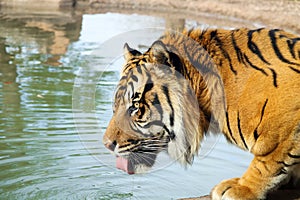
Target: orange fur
247,86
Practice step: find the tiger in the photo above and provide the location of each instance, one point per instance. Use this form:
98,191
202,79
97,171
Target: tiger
241,83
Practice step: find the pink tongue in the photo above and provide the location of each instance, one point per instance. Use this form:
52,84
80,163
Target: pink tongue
123,164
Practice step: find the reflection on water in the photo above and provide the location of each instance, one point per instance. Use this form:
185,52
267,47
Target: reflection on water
41,154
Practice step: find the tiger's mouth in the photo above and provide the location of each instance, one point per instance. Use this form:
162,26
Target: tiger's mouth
136,163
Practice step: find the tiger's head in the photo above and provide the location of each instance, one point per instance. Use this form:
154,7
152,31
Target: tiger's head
154,110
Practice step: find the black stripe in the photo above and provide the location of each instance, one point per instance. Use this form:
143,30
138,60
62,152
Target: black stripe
166,128
134,127
263,109
274,77
258,170
170,133
131,85
143,60
142,111
291,45
123,78
203,32
201,61
254,66
295,70
229,60
229,129
155,100
272,35
288,165
254,48
135,95
224,52
139,69
125,146
240,130
176,62
125,67
152,123
144,155
280,172
293,156
141,121
134,77
227,188
157,105
271,151
190,31
131,109
213,34
132,141
128,95
236,48
291,42
148,86
122,87
166,93
161,135
190,57
255,133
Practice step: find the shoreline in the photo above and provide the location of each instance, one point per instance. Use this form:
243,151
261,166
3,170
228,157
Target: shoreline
284,14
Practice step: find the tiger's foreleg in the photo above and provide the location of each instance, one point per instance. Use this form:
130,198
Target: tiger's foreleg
264,174
254,184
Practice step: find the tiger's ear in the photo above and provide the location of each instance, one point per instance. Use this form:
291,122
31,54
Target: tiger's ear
129,52
159,52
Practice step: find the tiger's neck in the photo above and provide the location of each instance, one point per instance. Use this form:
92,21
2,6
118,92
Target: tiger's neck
201,72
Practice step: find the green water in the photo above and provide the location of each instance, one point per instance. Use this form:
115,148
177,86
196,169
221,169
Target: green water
55,98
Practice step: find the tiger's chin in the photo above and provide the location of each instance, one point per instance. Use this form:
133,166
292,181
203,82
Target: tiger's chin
136,163
143,162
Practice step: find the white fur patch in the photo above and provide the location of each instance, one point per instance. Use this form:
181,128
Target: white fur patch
141,169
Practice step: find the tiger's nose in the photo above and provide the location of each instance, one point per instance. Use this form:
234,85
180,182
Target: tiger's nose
111,145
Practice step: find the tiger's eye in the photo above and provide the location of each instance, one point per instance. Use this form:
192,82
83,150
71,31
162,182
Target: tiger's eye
136,104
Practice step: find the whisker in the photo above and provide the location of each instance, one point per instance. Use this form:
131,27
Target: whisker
137,158
145,158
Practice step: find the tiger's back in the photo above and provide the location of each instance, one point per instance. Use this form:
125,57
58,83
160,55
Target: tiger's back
247,86
260,71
